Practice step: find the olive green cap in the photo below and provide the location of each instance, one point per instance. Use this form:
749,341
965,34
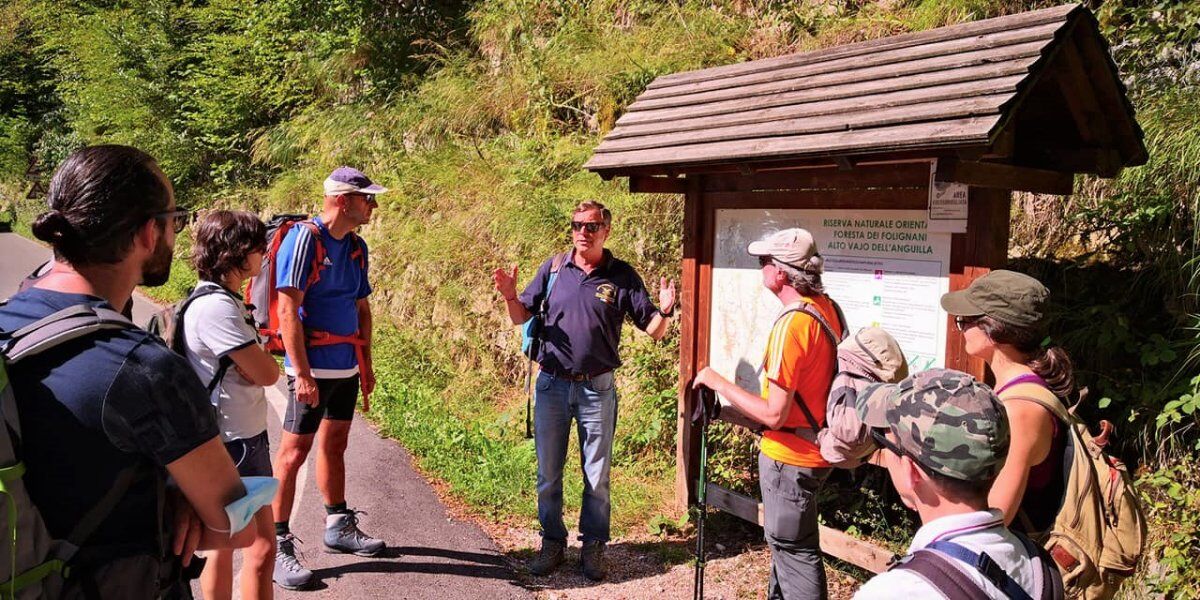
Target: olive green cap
1007,296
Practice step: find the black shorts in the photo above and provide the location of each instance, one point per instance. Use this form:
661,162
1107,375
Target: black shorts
337,398
251,456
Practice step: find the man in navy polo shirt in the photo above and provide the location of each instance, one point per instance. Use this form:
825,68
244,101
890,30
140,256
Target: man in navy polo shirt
324,380
592,293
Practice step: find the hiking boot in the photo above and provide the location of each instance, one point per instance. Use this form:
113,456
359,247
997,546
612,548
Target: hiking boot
592,557
547,561
289,573
342,535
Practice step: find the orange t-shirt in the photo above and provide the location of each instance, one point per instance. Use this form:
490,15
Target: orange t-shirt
799,357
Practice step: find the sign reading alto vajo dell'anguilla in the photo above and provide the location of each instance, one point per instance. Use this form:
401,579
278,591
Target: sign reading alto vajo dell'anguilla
884,267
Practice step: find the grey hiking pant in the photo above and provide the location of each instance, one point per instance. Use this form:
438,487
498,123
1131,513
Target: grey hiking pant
789,496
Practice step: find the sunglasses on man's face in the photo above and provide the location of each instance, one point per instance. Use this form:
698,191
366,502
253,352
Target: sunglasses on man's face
370,198
765,260
180,216
588,226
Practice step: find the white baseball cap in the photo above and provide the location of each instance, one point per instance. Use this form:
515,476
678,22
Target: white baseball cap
793,247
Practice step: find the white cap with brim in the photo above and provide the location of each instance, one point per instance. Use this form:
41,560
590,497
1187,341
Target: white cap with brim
794,247
348,180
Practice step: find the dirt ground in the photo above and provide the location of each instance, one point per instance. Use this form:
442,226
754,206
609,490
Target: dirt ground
642,565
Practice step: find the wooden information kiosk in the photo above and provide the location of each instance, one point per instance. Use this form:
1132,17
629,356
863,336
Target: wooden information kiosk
899,154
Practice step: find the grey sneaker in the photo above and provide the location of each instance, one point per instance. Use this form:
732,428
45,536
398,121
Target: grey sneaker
342,535
547,561
289,573
592,557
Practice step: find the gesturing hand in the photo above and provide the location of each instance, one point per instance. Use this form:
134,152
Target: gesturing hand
666,294
506,283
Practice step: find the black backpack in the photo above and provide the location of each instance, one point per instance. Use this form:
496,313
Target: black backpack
167,324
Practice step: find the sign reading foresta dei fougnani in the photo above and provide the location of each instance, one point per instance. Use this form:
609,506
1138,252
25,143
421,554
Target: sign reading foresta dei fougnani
884,267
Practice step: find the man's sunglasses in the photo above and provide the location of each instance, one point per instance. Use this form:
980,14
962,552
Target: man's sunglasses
589,226
181,216
965,323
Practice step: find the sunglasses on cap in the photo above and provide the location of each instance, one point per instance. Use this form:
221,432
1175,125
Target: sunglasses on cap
181,216
880,438
588,226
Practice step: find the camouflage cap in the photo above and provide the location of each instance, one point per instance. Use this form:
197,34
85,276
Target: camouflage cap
943,419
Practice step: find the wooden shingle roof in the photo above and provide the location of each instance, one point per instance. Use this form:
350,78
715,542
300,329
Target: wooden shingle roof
963,86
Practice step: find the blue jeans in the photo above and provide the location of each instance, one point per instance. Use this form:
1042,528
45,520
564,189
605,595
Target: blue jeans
593,405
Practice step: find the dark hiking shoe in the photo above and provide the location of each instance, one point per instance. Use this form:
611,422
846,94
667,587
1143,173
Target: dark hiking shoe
548,560
289,573
342,535
592,557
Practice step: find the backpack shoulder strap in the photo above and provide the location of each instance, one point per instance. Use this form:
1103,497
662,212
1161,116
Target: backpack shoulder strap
318,261
556,264
984,564
62,326
834,340
178,339
940,573
1049,580
1055,407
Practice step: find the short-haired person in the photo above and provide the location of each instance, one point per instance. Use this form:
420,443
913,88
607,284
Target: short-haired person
118,401
797,367
324,380
584,311
1001,316
943,438
222,343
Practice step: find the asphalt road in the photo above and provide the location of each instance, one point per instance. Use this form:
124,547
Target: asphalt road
429,554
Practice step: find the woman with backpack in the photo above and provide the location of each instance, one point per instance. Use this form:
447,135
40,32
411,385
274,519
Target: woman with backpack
221,343
1001,316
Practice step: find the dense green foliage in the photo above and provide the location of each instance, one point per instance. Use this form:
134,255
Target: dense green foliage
479,115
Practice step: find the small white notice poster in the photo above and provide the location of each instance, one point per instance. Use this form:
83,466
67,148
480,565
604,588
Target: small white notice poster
947,204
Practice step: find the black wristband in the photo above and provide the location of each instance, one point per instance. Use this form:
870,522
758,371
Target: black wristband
666,314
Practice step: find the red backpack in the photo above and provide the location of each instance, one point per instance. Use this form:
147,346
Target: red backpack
264,298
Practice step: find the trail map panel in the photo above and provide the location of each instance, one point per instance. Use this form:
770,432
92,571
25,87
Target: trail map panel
884,267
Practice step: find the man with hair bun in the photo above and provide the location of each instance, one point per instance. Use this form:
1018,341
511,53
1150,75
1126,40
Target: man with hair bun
116,401
583,297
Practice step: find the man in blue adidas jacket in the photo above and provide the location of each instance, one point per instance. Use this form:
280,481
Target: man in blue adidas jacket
324,379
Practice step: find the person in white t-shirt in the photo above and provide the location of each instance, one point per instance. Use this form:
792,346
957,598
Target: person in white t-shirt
943,438
224,349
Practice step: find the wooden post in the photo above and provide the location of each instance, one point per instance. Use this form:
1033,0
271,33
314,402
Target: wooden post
687,438
972,255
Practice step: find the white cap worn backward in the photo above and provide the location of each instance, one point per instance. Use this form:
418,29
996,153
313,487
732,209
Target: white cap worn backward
793,247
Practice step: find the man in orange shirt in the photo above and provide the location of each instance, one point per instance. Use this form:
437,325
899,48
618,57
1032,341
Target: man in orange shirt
797,371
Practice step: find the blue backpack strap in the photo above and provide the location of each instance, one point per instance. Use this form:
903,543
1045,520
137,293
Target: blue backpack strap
939,571
985,565
555,266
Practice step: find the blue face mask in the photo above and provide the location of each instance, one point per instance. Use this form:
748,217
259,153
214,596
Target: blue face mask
259,492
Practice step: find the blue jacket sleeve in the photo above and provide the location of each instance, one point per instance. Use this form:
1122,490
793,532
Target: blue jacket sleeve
294,261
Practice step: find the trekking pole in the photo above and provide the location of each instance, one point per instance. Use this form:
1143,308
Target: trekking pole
529,400
706,398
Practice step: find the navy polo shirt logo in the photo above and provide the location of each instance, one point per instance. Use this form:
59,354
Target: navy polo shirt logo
607,292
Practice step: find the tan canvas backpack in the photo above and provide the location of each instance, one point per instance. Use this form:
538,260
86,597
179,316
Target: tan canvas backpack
1100,530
